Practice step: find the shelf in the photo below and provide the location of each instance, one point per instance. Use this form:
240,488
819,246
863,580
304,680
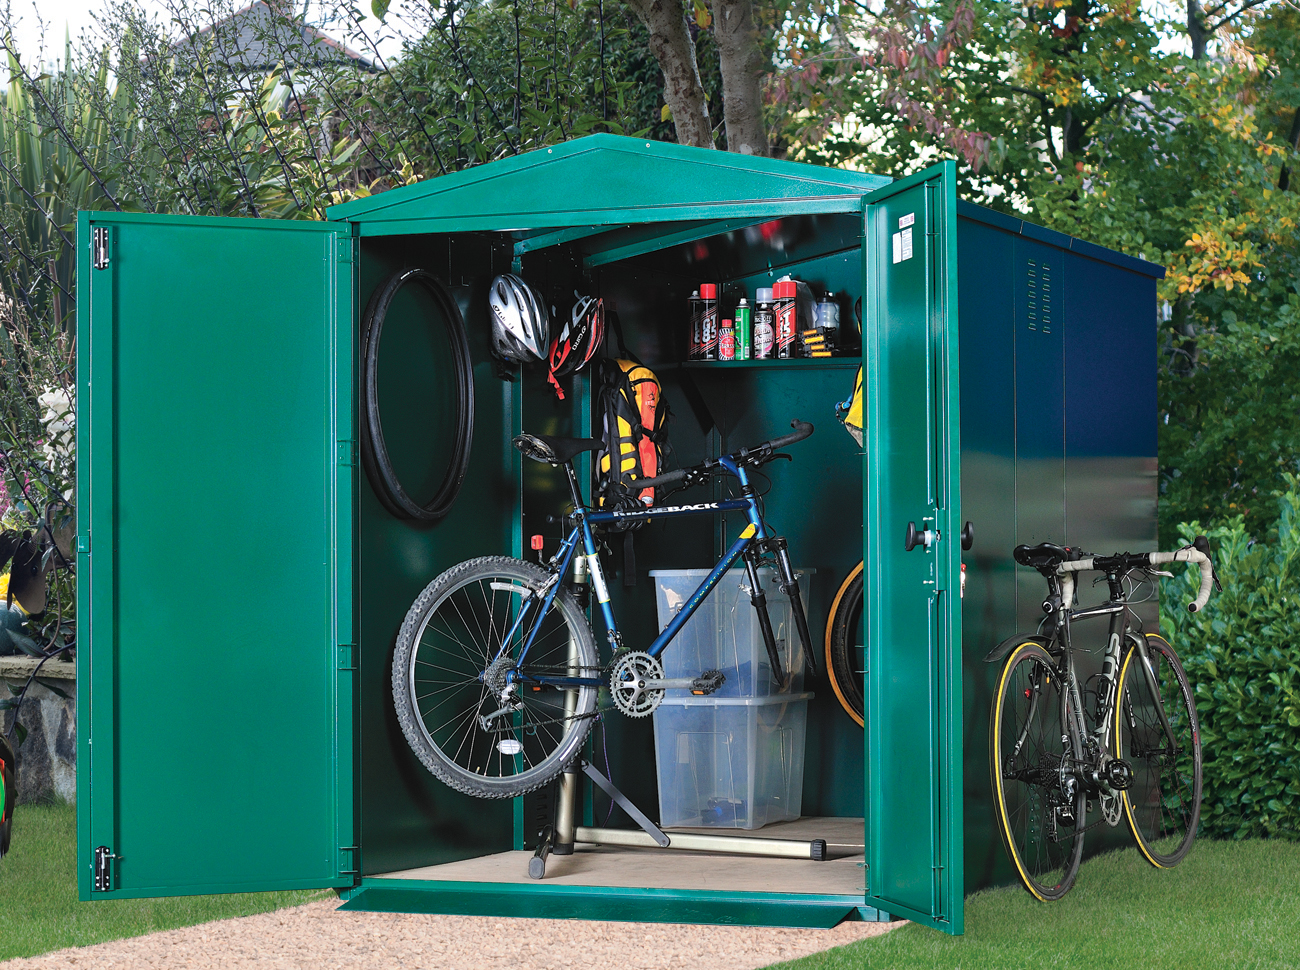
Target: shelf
794,363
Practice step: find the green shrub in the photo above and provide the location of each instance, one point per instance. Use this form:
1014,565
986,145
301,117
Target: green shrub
1242,654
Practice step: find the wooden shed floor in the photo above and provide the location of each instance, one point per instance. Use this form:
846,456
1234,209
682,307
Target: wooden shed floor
597,865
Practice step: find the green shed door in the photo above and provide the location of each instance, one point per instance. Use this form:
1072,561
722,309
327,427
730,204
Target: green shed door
913,691
215,534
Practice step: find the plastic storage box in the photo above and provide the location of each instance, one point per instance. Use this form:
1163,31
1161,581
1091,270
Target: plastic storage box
730,762
723,633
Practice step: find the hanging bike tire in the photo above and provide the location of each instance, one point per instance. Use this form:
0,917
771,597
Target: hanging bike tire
374,451
844,660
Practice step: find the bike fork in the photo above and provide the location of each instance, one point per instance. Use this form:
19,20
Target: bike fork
790,586
759,599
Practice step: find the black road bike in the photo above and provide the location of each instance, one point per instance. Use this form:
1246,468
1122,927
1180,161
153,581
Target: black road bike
1133,751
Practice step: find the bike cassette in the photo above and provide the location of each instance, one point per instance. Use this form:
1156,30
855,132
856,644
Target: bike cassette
629,684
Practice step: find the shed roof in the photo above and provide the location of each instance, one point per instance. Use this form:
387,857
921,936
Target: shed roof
609,180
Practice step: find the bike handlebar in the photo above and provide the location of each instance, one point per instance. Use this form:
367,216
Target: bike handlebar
667,478
802,430
1195,553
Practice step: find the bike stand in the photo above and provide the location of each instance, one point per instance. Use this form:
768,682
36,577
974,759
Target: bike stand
559,839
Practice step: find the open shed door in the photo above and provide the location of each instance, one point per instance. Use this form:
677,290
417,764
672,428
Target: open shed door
215,534
912,597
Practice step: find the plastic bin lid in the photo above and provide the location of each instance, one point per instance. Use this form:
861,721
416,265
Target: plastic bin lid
691,700
739,567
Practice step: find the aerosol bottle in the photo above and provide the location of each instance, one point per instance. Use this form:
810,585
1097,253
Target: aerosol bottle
709,321
743,329
784,297
764,330
726,341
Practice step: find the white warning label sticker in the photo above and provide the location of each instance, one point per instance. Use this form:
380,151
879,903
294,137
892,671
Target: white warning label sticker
902,245
907,220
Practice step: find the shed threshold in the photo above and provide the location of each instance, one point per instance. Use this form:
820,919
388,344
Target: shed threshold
645,885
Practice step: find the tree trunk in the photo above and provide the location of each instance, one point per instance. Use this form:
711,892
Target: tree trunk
671,44
1284,180
741,64
1196,29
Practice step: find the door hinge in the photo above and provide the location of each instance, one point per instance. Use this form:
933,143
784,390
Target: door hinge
99,247
103,881
347,453
348,861
345,248
347,656
83,543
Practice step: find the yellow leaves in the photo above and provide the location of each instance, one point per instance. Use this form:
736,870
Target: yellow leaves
1217,260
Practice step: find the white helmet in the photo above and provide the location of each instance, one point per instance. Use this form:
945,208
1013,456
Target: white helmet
521,326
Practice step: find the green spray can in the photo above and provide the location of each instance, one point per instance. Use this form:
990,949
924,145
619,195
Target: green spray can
743,330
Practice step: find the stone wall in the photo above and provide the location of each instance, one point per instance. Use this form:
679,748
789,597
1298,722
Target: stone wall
47,760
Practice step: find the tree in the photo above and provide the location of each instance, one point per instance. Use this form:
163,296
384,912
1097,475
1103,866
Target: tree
1096,129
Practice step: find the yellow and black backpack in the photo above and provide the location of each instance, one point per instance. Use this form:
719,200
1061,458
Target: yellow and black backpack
630,415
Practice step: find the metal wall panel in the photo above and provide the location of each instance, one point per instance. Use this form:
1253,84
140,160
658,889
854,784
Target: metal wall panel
1038,283
987,301
407,817
215,523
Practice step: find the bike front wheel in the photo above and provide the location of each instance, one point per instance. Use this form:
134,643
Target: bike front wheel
1034,751
478,718
1163,803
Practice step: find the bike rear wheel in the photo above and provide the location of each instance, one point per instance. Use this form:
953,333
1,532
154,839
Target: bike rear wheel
1034,748
465,703
845,647
1163,804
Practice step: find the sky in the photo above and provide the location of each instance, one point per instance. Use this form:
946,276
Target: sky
76,15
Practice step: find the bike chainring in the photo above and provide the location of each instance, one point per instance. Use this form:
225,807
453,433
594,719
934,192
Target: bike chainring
627,679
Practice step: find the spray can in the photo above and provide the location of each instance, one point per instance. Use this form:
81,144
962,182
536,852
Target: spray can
726,341
743,331
764,325
785,316
694,352
709,321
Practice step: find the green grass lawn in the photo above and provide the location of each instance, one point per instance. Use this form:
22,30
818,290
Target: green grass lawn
39,910
1229,905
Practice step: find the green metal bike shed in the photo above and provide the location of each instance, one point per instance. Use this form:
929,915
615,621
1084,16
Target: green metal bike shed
237,731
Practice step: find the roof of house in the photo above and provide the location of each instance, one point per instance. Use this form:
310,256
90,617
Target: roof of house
255,39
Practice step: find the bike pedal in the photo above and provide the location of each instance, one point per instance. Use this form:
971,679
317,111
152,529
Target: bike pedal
708,682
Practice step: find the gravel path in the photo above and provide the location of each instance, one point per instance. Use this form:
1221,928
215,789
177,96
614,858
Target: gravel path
316,937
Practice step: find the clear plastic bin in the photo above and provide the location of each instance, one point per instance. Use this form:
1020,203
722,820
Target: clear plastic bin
730,762
723,633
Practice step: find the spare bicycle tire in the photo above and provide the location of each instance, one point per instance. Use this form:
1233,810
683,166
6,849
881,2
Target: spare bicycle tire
374,450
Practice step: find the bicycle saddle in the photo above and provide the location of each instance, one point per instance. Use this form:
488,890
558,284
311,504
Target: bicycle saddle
1045,555
553,449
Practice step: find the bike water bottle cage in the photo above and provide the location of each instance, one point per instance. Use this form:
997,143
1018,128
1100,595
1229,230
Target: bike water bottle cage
552,449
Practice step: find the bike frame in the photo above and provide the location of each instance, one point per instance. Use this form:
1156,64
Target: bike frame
1122,622
754,531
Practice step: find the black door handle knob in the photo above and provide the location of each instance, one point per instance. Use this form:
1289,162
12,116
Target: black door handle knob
967,536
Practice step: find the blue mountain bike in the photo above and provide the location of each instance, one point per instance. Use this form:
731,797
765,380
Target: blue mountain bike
496,676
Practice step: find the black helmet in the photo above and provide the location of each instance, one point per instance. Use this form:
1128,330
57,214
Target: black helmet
521,327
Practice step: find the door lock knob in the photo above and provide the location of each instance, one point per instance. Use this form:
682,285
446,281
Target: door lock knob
915,537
